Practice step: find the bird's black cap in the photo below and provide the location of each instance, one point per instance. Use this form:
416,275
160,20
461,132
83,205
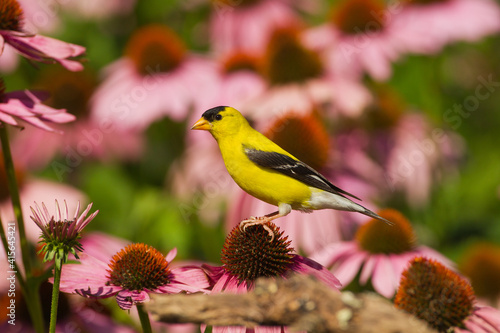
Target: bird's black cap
210,114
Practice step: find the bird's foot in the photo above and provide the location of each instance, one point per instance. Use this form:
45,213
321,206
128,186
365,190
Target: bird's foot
262,220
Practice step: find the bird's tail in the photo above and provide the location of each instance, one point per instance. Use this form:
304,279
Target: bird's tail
369,213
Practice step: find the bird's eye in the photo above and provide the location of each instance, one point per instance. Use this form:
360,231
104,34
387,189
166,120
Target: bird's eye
218,117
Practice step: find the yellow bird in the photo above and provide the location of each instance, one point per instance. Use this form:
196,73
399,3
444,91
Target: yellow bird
268,172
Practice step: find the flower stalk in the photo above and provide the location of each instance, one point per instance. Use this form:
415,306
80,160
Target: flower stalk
60,235
144,318
55,299
30,284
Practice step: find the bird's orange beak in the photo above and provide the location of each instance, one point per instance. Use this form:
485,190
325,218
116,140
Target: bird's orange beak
202,124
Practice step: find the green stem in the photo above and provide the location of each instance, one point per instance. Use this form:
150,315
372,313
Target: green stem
14,195
55,299
144,318
31,290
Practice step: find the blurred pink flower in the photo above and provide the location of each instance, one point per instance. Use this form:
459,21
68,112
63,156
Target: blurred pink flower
102,246
27,106
379,253
419,155
425,28
151,273
298,80
397,150
40,16
94,9
156,78
9,60
239,80
357,40
32,46
248,255
247,25
82,140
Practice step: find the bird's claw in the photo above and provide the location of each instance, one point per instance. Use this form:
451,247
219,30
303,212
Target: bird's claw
257,221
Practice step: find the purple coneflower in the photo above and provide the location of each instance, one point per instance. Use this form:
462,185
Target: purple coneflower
60,233
155,67
299,79
481,264
32,46
425,27
356,39
246,25
379,253
26,106
130,275
248,255
444,299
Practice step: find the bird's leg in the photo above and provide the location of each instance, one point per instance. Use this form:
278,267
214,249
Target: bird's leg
262,220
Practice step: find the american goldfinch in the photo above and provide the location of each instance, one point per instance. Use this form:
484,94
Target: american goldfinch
268,172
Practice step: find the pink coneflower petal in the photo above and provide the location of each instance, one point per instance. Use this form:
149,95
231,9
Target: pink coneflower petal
126,298
476,326
46,49
400,261
171,255
384,279
191,276
335,252
5,118
27,106
102,246
347,269
242,288
87,278
490,315
368,267
232,285
187,278
307,266
81,223
221,282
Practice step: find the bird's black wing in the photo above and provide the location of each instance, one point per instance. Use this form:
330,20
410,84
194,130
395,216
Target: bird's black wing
293,168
